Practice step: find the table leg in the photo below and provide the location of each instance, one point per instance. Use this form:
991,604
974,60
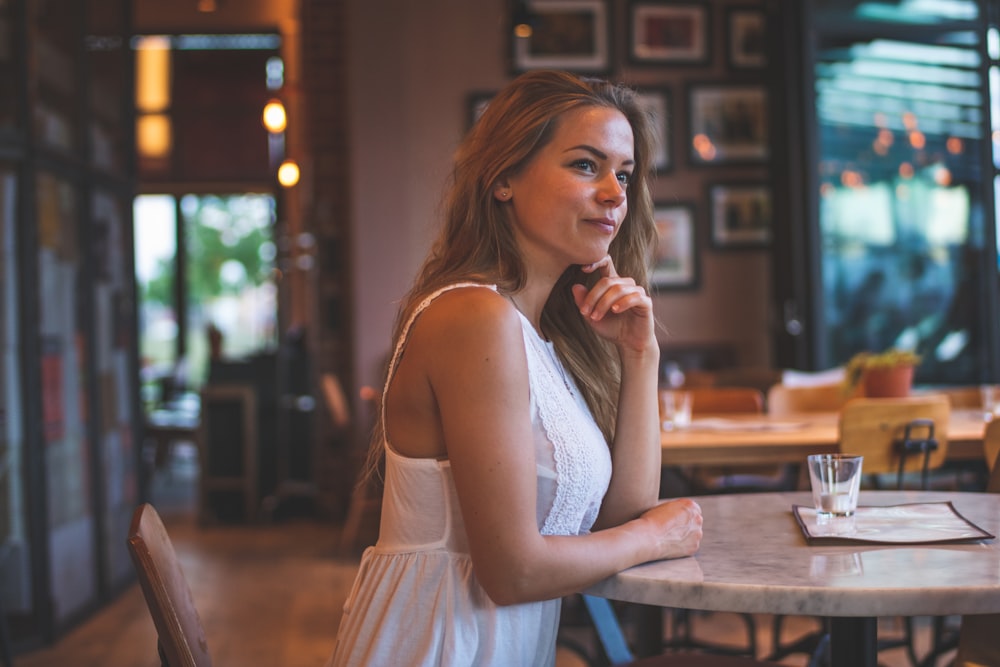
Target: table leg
853,642
649,630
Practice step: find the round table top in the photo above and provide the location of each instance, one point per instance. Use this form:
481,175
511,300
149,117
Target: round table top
754,558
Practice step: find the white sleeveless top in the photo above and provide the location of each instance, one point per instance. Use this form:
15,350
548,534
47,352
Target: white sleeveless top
416,600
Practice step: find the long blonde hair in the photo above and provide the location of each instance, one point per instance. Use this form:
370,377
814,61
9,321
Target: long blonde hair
477,242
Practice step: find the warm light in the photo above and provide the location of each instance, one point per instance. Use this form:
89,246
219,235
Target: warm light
152,74
288,173
906,170
942,176
851,179
274,117
704,147
153,135
954,145
910,120
522,30
917,139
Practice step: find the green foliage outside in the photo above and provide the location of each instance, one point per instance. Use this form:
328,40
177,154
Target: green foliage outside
218,230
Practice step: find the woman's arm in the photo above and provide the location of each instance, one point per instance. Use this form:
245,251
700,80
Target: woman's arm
621,312
472,351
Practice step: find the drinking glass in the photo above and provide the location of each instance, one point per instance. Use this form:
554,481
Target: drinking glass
836,480
675,409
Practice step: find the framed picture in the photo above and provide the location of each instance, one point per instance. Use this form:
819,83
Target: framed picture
745,43
572,35
668,33
656,102
476,105
675,263
728,123
741,214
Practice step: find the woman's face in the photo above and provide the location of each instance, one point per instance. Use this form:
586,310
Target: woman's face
568,202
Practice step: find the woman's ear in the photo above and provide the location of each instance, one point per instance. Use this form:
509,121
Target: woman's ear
501,191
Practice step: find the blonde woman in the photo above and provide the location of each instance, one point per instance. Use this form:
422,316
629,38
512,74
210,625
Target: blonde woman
519,417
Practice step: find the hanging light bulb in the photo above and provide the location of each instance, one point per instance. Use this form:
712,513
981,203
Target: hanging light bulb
288,173
274,117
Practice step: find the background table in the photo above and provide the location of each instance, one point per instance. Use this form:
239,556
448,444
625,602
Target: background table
754,559
763,439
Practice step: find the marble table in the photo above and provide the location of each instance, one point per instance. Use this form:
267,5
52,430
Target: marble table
754,559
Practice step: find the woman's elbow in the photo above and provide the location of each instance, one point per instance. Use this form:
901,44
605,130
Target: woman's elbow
511,585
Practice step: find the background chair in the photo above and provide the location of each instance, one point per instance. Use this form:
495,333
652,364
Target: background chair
978,640
181,638
615,646
897,436
991,449
783,399
725,400
707,401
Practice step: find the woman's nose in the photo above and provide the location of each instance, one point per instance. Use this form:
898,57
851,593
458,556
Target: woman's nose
613,191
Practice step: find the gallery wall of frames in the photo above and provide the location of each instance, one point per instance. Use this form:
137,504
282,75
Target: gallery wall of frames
700,69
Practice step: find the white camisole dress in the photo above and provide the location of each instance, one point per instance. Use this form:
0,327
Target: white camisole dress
416,600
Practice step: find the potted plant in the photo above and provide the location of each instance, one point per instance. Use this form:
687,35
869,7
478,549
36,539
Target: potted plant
881,375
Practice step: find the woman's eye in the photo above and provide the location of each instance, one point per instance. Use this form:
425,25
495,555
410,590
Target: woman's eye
586,165
624,177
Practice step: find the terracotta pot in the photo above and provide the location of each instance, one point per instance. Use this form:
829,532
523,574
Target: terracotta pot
888,382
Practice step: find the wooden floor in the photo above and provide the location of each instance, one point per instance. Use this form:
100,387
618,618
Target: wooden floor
271,595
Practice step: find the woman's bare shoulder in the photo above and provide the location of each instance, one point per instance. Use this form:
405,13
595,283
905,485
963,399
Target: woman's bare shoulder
466,319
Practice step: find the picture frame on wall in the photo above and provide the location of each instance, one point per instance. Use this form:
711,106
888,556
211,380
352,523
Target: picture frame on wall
727,123
675,261
676,33
573,35
746,38
742,215
656,102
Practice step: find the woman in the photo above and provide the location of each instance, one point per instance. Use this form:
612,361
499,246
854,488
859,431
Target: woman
519,416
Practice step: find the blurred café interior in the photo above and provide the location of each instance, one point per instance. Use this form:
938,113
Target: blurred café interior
209,210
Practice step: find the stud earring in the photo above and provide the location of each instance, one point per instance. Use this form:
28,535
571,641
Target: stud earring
505,194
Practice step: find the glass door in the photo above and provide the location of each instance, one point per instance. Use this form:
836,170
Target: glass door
898,204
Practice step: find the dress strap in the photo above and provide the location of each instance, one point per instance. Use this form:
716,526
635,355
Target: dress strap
404,335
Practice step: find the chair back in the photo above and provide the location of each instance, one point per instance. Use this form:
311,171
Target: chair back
962,397
897,435
180,635
726,400
783,399
991,444
978,641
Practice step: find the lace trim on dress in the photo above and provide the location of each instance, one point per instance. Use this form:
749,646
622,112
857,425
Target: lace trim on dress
561,421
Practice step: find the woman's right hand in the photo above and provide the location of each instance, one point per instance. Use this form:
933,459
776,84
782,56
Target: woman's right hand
675,527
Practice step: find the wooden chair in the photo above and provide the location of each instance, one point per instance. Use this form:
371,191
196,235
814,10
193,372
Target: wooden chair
897,436
726,479
991,448
365,504
978,640
783,399
726,400
181,638
963,397
616,648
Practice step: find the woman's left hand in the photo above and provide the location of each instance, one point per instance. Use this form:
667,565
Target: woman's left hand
617,308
